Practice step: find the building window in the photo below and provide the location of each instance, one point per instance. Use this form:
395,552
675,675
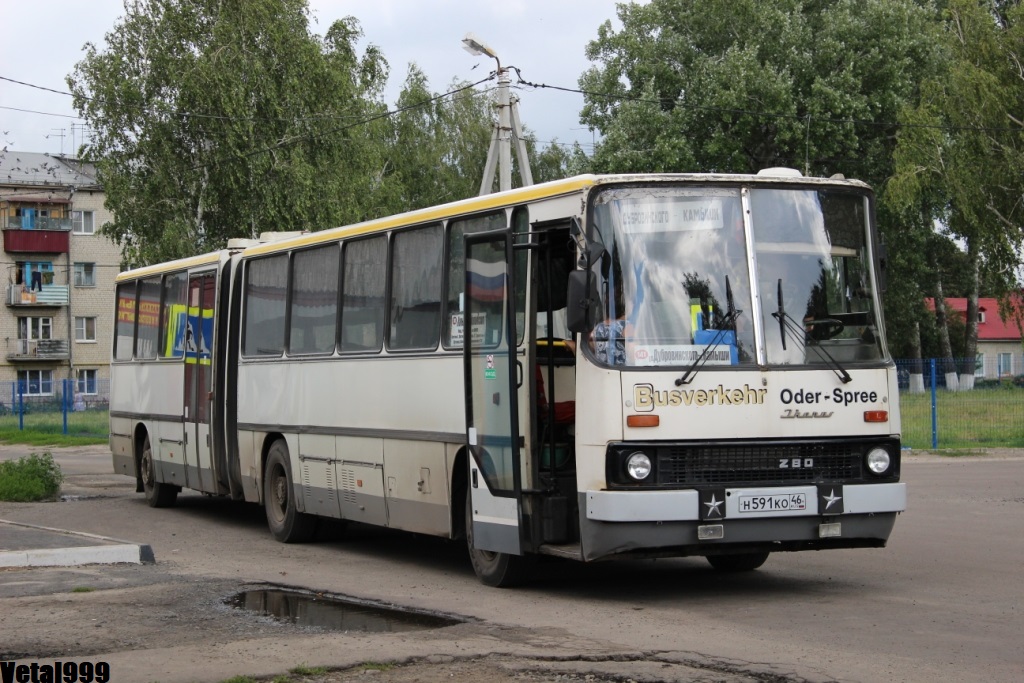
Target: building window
85,382
34,274
36,382
82,223
979,365
85,275
85,329
1005,364
31,328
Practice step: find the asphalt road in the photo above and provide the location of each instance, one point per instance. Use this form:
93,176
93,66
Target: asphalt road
942,602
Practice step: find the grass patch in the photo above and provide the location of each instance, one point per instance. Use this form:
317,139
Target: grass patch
980,418
85,428
82,589
30,478
303,670
239,679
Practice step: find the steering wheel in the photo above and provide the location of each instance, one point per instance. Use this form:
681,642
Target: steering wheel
823,328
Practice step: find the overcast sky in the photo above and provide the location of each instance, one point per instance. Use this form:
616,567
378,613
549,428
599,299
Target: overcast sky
544,38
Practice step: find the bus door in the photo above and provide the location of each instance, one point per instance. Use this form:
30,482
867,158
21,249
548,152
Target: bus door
492,376
198,399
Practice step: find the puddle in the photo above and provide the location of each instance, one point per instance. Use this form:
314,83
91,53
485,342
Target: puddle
334,614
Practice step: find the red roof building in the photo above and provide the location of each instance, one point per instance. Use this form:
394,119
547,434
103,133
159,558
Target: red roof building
1000,349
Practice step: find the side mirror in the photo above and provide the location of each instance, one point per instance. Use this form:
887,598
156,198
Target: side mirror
583,302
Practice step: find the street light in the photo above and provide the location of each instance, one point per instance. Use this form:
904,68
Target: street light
477,47
508,123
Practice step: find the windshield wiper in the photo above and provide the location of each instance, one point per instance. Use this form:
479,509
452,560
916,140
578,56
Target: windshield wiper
724,325
799,335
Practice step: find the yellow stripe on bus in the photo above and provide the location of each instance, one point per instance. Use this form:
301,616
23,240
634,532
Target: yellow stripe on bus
180,264
463,207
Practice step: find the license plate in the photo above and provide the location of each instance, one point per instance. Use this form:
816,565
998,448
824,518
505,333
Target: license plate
775,502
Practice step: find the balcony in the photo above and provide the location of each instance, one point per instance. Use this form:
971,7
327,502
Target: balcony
41,235
49,295
28,350
38,223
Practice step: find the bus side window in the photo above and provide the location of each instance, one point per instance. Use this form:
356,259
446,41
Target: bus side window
173,314
124,334
265,289
362,313
455,327
314,300
416,289
148,318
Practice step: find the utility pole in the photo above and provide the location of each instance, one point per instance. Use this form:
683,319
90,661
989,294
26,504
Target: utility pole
507,127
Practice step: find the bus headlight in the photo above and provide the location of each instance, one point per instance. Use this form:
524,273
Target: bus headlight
879,460
638,465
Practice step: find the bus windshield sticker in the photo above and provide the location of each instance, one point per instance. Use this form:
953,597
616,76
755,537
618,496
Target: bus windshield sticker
637,216
647,355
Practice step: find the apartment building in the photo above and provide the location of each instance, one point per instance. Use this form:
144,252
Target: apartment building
56,322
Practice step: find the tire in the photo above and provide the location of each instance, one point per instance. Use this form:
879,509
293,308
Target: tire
286,523
745,562
158,495
500,570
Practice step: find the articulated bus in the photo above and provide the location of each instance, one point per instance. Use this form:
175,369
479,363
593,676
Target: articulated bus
593,368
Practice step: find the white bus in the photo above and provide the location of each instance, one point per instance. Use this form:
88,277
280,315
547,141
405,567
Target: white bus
597,367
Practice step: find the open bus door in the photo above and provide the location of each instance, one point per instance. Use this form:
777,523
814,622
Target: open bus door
492,374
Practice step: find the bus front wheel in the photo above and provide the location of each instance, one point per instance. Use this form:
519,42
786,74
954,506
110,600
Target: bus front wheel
493,569
287,524
744,562
158,495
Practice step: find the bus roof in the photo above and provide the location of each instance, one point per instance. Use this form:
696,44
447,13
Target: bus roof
541,191
490,201
179,264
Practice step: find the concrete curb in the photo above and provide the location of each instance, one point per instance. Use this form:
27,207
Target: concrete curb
92,549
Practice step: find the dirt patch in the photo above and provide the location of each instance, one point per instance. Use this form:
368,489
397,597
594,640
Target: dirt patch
171,613
496,669
108,613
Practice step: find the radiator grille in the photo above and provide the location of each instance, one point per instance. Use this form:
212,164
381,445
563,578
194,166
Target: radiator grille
740,464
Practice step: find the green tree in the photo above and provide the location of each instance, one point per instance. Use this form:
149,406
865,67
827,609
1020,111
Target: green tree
556,161
437,145
741,85
961,151
227,118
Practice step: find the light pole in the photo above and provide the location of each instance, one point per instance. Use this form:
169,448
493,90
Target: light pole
505,129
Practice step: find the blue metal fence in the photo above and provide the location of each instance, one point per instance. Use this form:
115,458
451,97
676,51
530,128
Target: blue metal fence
989,413
56,405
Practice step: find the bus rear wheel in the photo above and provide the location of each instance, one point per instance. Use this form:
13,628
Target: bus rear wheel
500,570
744,562
158,495
286,523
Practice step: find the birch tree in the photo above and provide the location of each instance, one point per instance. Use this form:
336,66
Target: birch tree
227,118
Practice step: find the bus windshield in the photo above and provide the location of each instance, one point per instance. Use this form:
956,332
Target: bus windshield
813,277
675,284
